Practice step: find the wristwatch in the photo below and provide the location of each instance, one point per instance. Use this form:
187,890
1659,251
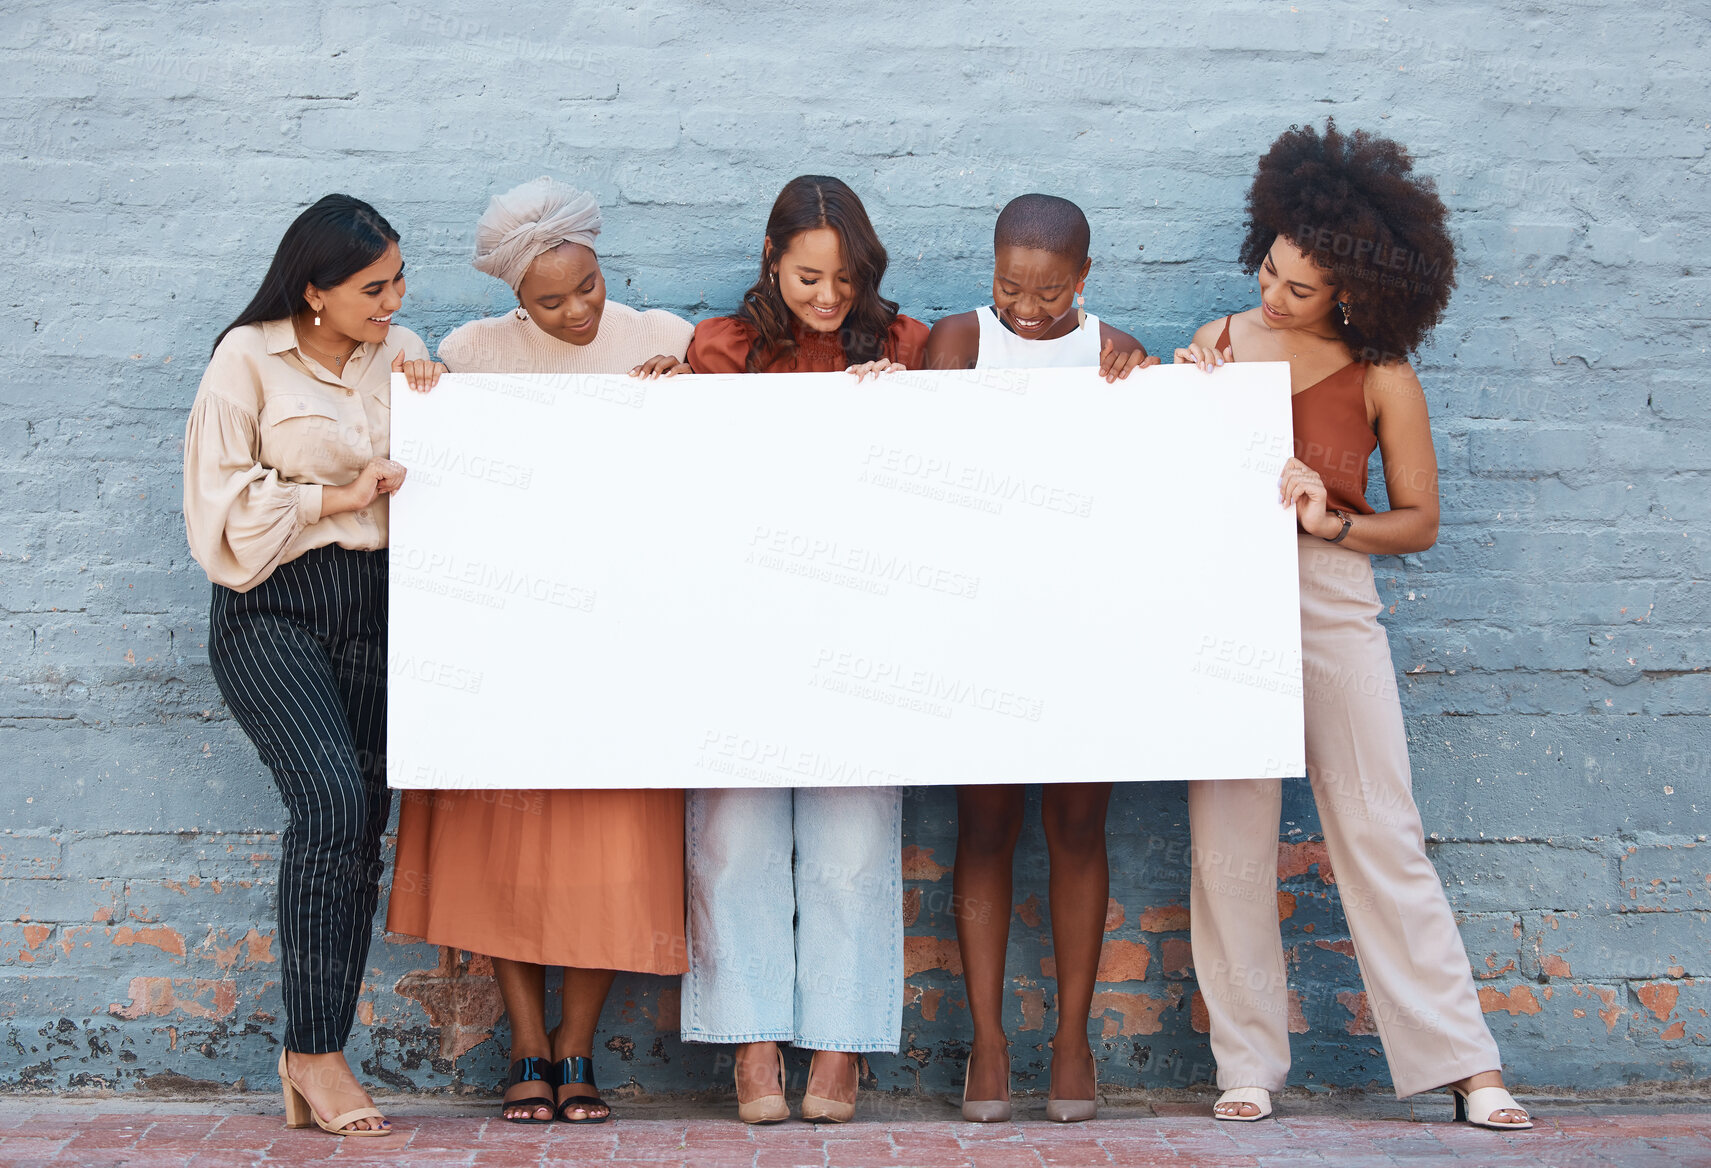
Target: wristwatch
1348,521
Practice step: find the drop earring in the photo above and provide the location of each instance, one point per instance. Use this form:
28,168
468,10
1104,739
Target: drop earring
1345,304
317,320
1080,308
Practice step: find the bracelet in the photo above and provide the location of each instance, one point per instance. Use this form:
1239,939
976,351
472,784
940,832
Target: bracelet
1348,521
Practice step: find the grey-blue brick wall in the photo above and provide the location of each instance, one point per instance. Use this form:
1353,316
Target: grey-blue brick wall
1551,648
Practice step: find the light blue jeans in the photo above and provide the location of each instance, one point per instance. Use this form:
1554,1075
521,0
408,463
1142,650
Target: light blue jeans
795,917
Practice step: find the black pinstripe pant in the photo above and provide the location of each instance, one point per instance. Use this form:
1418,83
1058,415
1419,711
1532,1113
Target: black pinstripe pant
301,662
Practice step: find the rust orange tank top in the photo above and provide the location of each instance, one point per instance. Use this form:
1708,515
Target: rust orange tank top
1332,434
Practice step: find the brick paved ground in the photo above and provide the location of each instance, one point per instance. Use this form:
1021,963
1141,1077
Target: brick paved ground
103,1132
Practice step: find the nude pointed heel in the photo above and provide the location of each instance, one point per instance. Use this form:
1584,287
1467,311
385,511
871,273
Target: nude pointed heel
1076,1110
1476,1107
985,1110
298,1113
768,1108
819,1109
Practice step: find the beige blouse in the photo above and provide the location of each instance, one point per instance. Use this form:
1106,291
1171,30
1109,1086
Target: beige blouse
270,427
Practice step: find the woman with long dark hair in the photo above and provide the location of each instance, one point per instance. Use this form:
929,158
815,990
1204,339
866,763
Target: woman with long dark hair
286,480
795,896
1355,267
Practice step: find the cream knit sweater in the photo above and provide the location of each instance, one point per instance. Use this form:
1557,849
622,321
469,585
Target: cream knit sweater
512,344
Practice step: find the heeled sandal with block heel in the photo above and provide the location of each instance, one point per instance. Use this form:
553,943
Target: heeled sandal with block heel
298,1112
1477,1106
529,1070
579,1071
1256,1097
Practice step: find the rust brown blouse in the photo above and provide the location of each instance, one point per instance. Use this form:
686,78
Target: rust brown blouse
1332,434
721,344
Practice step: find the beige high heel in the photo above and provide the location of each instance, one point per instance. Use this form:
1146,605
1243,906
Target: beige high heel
768,1108
298,1113
819,1109
986,1110
1076,1110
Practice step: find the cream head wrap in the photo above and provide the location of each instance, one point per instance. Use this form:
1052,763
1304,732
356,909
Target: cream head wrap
528,220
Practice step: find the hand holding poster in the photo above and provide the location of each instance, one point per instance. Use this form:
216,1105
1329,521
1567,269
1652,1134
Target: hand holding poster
799,579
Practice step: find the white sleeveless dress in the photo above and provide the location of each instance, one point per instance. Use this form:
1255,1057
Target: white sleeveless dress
1002,349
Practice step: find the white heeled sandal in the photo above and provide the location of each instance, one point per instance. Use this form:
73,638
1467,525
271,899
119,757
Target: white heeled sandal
1479,1105
1256,1096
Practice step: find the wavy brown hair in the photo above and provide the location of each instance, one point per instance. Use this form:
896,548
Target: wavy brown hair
806,203
1354,205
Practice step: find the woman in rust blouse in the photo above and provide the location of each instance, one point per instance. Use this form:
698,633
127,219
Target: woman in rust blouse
1355,267
795,896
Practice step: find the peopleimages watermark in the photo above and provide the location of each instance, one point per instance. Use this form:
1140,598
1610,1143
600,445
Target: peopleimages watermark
480,582
895,683
433,463
779,764
849,566
948,481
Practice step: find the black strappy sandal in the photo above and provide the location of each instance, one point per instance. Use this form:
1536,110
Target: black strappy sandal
528,1070
580,1071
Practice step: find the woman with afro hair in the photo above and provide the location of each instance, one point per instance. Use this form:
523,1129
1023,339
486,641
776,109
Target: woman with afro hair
1355,267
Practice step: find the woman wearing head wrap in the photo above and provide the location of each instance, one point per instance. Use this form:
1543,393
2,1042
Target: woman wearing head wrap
586,879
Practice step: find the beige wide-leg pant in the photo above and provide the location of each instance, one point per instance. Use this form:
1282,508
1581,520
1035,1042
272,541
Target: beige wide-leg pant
1419,987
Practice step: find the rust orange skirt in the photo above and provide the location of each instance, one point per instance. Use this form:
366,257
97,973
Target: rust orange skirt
589,879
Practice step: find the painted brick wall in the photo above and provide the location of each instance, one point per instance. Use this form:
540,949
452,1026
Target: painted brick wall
1552,644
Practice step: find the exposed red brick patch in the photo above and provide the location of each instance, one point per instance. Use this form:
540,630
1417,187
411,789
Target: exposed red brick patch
930,1000
667,1012
911,906
250,949
1611,1013
1136,1013
461,1000
1360,1022
1346,948
1178,957
34,935
1285,905
1033,1007
1169,918
921,953
1296,859
1671,1033
365,1012
1118,961
1028,911
195,996
104,913
1555,966
1198,1016
167,940
1519,1000
918,864
1114,915
1297,1019
1659,998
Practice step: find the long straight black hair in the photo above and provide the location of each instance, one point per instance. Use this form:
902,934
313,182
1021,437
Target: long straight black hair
333,240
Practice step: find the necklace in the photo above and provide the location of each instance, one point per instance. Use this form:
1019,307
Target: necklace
334,357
